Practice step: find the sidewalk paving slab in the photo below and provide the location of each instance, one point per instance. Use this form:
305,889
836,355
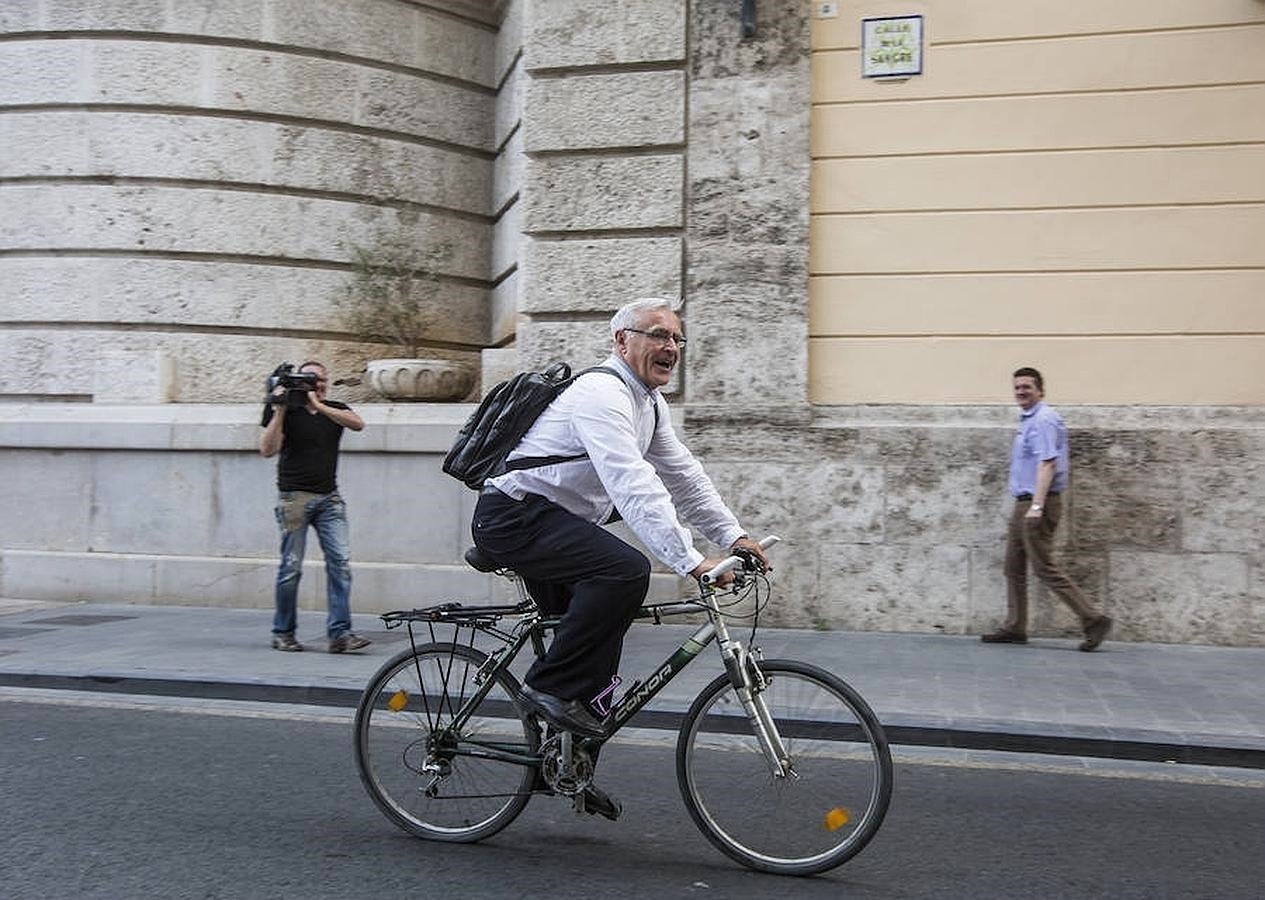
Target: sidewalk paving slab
1185,703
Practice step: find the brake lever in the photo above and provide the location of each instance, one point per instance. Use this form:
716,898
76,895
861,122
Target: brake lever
750,562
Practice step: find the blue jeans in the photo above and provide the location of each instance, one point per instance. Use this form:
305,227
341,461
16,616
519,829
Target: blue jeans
327,513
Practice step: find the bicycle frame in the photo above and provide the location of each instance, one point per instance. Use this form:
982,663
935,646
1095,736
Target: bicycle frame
745,678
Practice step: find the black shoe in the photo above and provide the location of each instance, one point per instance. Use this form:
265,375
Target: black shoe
598,801
1002,636
569,715
1095,631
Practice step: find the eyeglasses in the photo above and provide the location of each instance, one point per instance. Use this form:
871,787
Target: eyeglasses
661,336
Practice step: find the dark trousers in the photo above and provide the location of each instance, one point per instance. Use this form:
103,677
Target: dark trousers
576,570
1031,541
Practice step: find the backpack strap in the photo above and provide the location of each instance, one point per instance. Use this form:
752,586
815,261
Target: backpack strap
535,462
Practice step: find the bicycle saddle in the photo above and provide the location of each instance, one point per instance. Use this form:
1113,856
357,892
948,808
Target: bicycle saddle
481,561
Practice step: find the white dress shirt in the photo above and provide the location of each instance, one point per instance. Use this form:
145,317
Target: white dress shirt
644,472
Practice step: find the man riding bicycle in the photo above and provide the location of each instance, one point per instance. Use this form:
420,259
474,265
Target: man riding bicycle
624,461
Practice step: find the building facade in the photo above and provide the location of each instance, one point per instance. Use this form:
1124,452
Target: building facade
862,262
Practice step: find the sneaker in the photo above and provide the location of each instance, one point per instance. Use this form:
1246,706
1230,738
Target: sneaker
1003,636
285,641
1095,631
348,641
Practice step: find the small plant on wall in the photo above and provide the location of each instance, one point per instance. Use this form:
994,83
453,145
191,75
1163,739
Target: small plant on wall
395,297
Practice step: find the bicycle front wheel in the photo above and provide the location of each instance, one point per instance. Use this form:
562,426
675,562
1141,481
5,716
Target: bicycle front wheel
820,814
435,778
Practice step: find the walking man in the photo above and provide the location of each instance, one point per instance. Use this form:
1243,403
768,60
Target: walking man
1039,467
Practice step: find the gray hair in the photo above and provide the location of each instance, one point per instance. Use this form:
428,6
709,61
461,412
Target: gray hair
629,314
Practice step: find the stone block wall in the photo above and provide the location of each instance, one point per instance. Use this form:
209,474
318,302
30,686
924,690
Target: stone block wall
185,178
172,504
604,181
179,175
499,360
747,234
895,517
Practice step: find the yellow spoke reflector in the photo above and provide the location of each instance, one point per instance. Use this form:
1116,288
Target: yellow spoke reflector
836,819
398,700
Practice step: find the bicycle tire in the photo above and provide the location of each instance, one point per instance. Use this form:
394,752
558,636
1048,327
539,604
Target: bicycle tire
406,707
788,825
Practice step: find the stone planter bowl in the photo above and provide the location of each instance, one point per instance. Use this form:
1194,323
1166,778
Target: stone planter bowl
432,380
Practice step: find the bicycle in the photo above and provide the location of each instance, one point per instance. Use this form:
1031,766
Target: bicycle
781,764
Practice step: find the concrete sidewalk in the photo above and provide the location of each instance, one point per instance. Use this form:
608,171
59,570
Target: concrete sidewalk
1159,702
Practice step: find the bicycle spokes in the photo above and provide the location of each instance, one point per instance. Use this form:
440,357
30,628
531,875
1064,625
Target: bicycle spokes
825,799
445,757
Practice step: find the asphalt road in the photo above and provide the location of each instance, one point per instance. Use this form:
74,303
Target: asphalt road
219,800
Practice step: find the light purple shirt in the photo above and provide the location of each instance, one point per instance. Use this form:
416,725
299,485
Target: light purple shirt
641,469
1041,435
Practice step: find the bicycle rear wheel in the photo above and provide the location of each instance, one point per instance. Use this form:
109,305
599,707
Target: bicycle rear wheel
816,818
430,778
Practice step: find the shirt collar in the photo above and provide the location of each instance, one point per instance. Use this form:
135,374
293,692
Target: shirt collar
629,376
1032,410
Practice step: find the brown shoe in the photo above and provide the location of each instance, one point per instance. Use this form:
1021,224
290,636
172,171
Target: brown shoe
284,640
345,642
1002,636
1095,632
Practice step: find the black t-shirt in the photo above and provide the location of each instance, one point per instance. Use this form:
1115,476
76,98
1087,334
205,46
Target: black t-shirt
309,450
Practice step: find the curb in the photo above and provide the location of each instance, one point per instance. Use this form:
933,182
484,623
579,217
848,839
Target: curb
1203,753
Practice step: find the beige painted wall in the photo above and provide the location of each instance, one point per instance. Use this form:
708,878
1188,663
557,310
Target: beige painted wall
1076,186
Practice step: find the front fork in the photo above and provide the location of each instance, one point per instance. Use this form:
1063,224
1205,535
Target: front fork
749,683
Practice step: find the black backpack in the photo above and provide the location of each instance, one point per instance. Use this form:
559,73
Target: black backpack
504,416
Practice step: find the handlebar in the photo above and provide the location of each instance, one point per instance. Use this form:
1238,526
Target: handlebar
732,562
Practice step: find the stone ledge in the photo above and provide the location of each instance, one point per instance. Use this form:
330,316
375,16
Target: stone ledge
247,583
390,427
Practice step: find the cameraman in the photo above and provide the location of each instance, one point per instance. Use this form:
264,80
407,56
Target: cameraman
305,428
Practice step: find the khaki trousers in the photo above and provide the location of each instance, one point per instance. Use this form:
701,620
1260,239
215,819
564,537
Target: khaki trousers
1033,540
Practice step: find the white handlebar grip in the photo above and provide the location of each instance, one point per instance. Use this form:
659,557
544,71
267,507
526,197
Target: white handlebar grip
729,563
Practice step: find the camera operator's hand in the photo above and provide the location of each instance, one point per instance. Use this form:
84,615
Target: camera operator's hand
344,417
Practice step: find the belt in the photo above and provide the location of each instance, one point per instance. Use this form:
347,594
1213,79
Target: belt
1029,496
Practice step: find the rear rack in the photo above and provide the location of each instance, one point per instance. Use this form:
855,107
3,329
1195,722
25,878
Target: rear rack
457,614
461,614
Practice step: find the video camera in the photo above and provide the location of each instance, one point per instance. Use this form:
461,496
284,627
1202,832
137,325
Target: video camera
297,385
